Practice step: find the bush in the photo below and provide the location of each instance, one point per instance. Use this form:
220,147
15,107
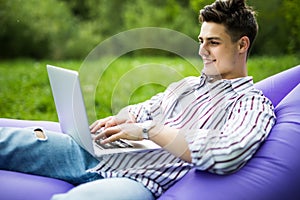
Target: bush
34,28
60,29
82,41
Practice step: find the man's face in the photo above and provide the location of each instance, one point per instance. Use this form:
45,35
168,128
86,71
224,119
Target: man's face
220,55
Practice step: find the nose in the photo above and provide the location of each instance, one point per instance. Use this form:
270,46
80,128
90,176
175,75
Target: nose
203,52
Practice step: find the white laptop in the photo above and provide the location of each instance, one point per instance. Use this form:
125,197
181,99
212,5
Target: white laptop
73,119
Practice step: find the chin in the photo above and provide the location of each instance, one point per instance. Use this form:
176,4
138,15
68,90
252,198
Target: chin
211,71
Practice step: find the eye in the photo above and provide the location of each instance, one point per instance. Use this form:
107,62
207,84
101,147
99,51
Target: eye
214,43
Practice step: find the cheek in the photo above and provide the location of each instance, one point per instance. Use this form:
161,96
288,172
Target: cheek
224,62
221,56
224,55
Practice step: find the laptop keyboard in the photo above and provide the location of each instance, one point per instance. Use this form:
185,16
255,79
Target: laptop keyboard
113,145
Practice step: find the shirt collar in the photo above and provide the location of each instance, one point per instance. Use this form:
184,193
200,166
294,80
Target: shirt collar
239,85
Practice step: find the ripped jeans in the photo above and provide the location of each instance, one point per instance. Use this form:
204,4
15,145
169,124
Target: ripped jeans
56,155
45,153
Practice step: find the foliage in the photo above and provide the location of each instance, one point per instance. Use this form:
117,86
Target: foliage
63,29
291,9
198,4
33,28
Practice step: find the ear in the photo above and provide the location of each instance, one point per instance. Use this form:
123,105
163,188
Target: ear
244,44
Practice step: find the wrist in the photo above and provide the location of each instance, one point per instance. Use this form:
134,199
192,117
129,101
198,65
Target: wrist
146,127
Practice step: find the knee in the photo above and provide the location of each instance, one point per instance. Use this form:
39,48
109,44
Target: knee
40,134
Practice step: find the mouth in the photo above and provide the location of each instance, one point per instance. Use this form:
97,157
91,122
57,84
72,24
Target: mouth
209,61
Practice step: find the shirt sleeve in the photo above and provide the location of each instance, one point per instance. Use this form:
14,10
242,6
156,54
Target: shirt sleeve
142,111
228,149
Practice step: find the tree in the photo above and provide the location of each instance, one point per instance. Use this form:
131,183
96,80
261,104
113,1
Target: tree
33,28
291,11
62,29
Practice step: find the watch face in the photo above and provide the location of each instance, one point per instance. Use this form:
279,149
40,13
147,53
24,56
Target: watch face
145,134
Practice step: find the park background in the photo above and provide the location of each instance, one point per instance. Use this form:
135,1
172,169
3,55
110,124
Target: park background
63,32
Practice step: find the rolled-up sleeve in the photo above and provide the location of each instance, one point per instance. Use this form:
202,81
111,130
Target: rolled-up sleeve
142,111
248,123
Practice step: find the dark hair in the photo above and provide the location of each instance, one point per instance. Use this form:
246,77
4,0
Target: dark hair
238,18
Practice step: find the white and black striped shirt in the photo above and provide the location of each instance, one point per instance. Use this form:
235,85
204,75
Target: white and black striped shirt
224,123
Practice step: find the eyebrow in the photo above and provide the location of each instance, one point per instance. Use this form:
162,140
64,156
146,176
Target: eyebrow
210,38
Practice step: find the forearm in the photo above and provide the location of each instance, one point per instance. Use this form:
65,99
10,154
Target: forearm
170,139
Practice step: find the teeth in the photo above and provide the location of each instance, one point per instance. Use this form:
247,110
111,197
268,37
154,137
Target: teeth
209,61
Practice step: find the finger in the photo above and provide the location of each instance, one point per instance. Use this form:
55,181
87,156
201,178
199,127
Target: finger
108,132
112,138
96,127
98,124
111,122
94,124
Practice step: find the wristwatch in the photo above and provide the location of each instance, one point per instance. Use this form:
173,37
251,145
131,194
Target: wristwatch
145,134
147,125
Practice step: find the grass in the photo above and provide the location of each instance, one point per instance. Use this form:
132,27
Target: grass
25,92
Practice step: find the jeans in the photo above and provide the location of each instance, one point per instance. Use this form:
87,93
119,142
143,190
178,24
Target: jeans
56,155
108,189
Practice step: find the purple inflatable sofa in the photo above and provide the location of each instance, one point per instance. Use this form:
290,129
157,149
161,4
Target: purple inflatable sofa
273,172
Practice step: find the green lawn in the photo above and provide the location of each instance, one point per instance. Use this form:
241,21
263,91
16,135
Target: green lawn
25,92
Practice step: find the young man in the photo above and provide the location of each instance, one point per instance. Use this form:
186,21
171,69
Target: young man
214,122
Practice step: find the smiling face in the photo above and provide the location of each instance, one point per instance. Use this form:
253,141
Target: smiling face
220,55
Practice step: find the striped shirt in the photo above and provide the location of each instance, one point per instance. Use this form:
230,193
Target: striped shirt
223,121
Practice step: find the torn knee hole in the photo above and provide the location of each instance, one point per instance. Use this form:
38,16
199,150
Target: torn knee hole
39,133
